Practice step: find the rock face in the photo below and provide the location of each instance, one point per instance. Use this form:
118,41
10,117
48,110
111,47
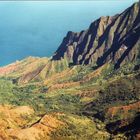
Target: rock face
109,39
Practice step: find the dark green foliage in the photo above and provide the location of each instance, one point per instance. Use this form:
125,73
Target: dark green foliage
120,92
63,103
78,128
31,95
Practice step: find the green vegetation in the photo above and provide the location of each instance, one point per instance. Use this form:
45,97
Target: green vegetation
77,128
122,91
31,95
84,106
21,96
99,99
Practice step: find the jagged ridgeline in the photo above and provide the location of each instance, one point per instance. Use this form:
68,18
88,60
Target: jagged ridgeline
113,39
33,69
88,90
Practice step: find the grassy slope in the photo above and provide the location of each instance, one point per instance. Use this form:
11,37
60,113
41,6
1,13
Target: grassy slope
83,104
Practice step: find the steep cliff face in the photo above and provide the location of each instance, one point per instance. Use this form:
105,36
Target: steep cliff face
109,39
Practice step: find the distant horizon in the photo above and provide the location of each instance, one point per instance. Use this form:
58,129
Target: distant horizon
37,28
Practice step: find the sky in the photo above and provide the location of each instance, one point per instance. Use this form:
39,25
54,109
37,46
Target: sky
37,28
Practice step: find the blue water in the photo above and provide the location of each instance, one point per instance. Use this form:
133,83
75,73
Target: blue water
37,28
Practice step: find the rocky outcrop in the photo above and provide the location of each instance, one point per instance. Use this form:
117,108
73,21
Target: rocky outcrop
109,39
20,122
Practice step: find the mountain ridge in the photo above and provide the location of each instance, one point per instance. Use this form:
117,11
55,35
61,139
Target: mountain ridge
107,39
77,93
114,40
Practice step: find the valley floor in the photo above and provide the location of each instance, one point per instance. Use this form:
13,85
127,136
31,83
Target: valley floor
76,104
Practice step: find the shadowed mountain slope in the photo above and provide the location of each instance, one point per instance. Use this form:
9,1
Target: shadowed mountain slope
115,39
77,94
109,39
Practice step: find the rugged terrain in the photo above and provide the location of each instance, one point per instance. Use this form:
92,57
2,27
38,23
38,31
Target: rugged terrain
89,89
108,39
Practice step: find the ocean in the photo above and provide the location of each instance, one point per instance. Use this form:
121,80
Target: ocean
36,28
